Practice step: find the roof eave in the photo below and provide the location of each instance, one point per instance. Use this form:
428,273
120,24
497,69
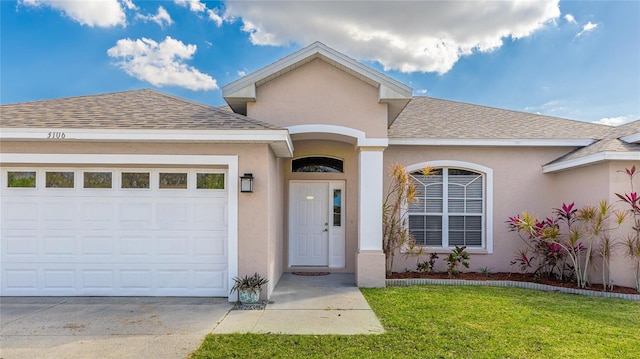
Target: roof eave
633,138
558,166
279,140
507,142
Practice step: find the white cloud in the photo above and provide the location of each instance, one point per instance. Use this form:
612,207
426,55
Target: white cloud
551,108
215,17
587,28
129,4
198,7
421,92
99,13
161,64
614,121
193,5
162,18
241,73
405,35
570,19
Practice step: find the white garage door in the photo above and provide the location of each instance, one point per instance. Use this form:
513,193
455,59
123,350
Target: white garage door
114,232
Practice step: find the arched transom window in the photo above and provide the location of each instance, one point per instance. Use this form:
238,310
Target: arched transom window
317,164
450,209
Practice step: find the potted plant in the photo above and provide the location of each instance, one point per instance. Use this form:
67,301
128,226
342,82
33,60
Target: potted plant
249,287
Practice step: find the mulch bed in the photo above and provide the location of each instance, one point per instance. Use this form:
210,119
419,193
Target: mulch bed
520,277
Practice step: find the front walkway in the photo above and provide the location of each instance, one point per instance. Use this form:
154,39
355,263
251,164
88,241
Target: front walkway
329,304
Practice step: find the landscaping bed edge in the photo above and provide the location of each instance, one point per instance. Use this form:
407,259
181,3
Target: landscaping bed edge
507,283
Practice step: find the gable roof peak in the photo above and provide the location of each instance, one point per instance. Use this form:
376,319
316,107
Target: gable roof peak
392,92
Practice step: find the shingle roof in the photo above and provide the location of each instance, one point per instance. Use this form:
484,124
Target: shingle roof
430,118
138,109
611,142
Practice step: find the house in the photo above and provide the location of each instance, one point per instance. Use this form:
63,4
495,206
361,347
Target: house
138,192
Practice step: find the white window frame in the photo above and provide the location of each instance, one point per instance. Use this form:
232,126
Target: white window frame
487,173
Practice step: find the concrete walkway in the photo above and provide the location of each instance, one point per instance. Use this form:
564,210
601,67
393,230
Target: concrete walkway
329,304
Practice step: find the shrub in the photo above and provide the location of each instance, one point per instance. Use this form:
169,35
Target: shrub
566,242
428,266
457,257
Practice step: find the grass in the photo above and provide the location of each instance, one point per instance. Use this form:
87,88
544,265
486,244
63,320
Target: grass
461,322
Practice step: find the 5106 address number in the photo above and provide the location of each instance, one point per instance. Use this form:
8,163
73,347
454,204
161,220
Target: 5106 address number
56,135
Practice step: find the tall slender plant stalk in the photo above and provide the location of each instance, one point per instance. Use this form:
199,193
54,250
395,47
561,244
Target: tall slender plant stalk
395,229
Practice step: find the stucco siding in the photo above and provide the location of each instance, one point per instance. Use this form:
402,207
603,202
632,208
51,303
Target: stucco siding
621,264
587,186
583,186
519,185
319,93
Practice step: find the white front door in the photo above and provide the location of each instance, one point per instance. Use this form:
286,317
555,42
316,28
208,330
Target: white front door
316,224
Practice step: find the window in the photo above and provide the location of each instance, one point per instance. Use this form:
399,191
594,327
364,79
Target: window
317,164
450,210
173,180
135,180
59,179
98,180
210,181
17,179
337,207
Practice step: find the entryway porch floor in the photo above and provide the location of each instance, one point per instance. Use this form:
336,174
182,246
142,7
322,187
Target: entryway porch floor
329,304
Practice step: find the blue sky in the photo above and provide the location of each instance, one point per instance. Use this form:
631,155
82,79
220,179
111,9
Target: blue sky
572,59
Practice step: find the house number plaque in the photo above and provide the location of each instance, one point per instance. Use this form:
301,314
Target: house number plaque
56,135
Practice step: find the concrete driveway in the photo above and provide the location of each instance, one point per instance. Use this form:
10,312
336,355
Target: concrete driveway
101,327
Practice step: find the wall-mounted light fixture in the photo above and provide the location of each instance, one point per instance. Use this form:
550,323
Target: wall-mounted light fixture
246,183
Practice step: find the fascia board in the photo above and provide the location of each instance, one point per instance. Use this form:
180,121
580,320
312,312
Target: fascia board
142,135
590,159
113,135
633,138
312,50
248,92
491,142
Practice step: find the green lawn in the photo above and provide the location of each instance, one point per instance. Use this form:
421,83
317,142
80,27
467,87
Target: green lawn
462,322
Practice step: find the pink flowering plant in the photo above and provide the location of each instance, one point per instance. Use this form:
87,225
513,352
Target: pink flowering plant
565,244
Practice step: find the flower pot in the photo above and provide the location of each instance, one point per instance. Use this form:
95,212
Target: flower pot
249,296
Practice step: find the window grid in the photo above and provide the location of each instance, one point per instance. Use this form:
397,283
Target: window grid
464,225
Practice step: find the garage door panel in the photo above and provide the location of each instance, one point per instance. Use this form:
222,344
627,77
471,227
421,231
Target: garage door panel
135,216
136,245
19,214
97,280
59,246
214,246
21,280
173,215
114,242
16,245
59,279
172,246
59,214
210,215
98,215
96,246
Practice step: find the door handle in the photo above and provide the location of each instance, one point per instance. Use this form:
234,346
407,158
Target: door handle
326,230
